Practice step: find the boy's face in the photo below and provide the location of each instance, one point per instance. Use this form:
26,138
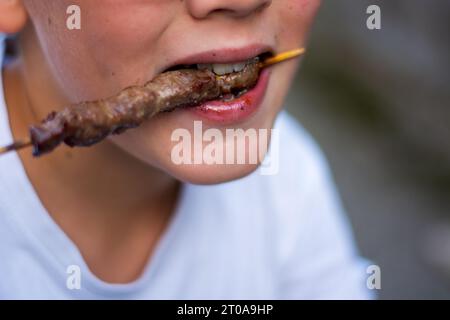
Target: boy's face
125,42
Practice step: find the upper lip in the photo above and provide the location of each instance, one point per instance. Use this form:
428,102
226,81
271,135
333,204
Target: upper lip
222,55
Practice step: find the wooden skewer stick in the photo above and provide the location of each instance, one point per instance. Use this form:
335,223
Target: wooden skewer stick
283,57
17,145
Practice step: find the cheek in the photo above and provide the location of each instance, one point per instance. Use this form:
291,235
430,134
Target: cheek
126,30
116,46
297,17
304,6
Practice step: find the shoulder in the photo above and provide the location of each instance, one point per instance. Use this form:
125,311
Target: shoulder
299,171
293,167
305,204
315,250
282,193
300,158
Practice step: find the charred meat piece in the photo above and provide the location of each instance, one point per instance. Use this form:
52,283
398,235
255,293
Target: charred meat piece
87,123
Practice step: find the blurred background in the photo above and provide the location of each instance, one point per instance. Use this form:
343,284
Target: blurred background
378,102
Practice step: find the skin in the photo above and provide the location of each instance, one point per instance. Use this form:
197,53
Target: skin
121,193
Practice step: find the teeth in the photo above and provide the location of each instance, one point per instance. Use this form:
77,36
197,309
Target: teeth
205,66
239,66
221,69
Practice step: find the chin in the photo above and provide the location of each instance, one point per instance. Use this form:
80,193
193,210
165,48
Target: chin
152,144
151,150
211,174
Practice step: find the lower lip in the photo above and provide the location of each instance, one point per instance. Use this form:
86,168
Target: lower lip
236,110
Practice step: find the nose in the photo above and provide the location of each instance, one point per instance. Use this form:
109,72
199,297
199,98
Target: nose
201,9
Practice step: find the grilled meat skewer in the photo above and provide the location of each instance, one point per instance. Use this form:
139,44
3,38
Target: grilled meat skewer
87,123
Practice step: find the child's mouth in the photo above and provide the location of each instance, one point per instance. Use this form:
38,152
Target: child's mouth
236,106
235,70
241,99
237,94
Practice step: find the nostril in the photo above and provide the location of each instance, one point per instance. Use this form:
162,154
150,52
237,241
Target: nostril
201,9
263,6
219,11
229,12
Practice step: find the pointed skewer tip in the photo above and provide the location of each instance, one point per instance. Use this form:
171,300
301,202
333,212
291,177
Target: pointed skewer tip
17,145
283,56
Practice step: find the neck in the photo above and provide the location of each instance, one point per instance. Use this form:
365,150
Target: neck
104,199
102,180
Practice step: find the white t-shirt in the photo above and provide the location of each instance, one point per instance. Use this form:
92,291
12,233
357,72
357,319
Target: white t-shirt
282,236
